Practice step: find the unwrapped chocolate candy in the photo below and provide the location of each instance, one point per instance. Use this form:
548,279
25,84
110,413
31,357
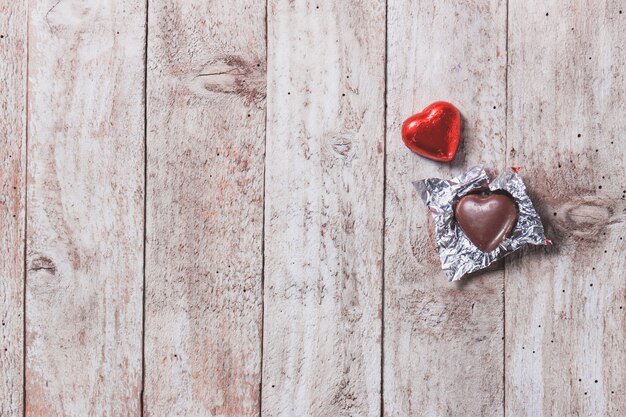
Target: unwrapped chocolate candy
478,221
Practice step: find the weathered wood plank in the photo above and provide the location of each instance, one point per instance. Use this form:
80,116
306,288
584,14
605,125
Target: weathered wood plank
12,203
85,208
566,308
443,342
206,133
324,208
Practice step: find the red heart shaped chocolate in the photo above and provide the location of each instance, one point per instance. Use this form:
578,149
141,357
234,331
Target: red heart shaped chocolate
434,133
486,219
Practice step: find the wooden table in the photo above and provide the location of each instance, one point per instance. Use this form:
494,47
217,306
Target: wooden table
206,208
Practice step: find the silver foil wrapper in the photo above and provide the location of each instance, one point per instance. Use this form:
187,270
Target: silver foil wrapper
459,256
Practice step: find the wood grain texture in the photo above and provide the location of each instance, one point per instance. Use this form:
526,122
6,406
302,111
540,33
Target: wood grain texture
324,207
566,307
12,203
443,342
206,132
74,205
85,208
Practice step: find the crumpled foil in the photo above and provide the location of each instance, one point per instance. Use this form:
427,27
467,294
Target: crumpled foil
459,256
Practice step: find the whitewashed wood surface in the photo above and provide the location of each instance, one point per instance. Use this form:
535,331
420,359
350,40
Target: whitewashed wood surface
85,200
206,208
204,260
443,342
13,30
323,209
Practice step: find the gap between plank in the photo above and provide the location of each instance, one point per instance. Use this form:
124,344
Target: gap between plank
382,275
145,215
25,191
263,214
506,161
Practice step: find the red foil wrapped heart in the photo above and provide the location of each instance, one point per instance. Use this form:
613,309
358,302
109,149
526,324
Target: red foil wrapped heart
435,132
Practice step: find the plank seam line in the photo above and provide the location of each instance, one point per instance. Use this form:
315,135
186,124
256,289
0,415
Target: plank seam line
506,160
384,213
266,20
145,216
25,191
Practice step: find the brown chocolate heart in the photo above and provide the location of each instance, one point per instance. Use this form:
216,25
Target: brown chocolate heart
486,219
